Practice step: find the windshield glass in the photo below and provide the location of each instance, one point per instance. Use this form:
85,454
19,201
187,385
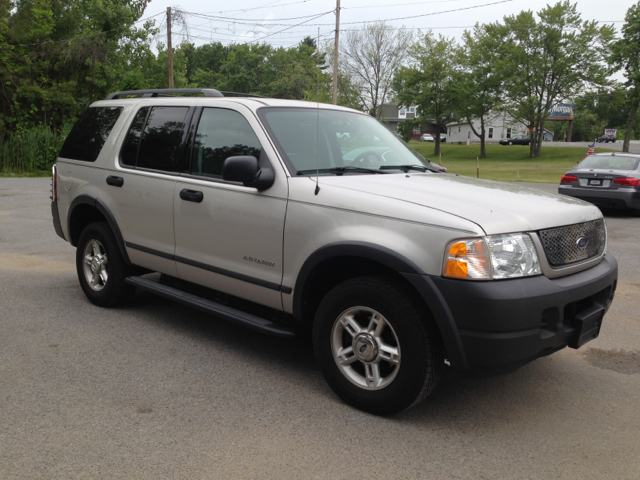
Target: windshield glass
331,140
608,162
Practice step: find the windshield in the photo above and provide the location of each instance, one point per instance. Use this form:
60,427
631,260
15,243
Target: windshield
336,142
608,162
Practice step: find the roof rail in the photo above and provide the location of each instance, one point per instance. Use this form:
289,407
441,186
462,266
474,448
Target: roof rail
162,92
239,94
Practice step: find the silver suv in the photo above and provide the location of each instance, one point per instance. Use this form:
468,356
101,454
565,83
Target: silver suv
297,216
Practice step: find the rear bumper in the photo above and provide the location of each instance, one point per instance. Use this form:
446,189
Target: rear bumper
511,322
619,198
56,220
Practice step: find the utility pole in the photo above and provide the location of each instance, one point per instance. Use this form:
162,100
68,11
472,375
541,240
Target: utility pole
170,51
335,55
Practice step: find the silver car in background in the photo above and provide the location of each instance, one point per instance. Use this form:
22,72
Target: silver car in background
609,180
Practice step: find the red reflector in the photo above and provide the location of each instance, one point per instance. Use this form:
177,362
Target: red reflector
55,184
627,182
568,179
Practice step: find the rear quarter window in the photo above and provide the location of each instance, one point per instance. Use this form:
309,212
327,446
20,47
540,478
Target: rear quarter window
88,135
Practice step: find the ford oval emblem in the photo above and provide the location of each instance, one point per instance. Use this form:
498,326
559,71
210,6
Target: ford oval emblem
582,242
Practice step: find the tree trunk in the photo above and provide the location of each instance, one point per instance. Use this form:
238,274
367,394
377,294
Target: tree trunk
483,148
540,138
532,138
630,125
437,140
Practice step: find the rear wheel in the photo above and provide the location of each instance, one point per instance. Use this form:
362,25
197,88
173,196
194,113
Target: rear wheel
510,143
101,268
377,346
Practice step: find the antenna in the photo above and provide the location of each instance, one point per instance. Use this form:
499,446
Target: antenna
317,114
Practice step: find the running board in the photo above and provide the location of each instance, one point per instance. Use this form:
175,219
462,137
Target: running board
214,308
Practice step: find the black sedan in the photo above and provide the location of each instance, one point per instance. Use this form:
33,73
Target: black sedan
515,140
605,179
606,139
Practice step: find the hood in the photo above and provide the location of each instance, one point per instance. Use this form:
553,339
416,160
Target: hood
496,207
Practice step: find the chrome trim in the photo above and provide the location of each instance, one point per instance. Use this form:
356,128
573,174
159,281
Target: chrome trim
550,272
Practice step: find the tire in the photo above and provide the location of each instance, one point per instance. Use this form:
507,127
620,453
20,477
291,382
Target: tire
101,268
510,143
392,330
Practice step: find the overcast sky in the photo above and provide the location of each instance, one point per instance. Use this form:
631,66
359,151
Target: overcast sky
286,22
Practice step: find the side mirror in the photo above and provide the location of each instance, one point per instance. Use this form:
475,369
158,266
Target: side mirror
249,171
243,168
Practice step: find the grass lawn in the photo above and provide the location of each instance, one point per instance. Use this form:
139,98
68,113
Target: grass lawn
503,162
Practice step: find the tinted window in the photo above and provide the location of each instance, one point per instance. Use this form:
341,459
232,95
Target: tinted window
131,142
221,134
161,138
89,133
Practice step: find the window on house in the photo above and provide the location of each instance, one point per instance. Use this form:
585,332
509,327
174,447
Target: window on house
402,113
508,133
490,132
458,128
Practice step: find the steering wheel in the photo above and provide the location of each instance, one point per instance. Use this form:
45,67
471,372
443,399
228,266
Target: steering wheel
368,159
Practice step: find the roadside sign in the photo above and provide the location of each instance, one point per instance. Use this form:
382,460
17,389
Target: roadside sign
610,131
562,111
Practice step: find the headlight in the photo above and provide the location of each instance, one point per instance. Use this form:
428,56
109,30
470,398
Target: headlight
510,255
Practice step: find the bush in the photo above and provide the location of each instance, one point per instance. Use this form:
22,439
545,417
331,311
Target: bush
31,150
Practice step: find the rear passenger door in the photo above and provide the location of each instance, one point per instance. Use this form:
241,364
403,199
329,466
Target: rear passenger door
228,236
142,187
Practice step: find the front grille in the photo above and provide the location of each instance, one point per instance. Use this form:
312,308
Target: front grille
561,244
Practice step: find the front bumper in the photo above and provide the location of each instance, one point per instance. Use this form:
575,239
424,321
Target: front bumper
511,322
618,198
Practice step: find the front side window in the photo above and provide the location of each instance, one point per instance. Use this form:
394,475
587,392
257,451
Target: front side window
221,134
89,134
154,138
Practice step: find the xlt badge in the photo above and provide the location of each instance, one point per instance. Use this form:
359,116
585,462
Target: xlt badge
257,260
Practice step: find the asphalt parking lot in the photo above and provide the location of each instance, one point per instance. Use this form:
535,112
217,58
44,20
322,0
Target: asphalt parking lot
157,390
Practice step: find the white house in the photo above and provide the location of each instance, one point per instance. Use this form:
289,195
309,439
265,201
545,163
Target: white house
498,125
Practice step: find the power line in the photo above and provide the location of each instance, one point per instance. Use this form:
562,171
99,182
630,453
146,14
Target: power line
247,20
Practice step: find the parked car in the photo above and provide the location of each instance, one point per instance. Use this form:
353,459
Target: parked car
258,213
606,139
606,180
426,137
516,140
443,138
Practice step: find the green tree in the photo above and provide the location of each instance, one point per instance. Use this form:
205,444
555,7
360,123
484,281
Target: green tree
548,60
626,55
480,87
431,82
60,55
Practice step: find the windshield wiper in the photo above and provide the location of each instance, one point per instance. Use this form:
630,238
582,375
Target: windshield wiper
406,168
338,170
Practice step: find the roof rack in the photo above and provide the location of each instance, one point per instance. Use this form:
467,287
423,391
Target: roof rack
239,94
165,92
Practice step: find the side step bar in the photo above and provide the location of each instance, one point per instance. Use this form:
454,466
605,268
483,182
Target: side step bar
214,308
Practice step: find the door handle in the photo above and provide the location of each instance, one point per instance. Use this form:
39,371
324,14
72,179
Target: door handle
191,195
115,181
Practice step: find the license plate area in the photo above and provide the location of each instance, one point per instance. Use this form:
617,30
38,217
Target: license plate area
595,182
587,326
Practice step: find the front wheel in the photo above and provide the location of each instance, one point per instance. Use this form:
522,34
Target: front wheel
101,269
377,346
